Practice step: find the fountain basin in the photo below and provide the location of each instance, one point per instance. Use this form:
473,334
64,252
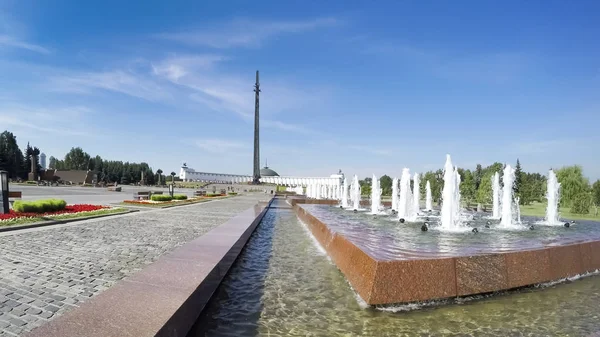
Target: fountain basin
413,274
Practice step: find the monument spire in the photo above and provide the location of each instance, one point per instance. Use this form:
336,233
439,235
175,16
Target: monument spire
256,175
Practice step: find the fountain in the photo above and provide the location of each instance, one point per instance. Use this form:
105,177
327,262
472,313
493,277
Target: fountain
553,197
355,193
375,196
405,207
461,245
395,194
496,196
450,197
428,203
416,194
345,193
508,179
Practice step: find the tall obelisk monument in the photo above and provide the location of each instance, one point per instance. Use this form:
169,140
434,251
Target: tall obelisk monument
256,174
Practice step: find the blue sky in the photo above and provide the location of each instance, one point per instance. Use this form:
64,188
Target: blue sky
345,84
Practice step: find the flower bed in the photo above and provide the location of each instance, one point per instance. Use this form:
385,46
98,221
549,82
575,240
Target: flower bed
152,203
69,212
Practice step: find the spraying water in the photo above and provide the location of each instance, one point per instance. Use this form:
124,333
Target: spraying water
405,207
395,194
450,197
496,196
416,194
518,209
375,196
428,203
553,196
508,178
355,193
345,193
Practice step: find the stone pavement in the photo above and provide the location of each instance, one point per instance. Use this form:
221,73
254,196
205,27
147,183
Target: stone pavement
46,271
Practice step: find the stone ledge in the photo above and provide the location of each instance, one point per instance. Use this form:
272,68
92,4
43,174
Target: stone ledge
403,281
166,297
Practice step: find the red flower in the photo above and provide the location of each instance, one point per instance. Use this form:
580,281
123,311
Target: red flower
69,209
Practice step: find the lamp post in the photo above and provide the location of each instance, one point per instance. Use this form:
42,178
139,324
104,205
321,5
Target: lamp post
4,192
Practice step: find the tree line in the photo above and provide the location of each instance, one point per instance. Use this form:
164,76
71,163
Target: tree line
476,186
18,164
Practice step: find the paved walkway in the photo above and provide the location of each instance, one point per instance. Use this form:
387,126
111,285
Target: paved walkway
46,271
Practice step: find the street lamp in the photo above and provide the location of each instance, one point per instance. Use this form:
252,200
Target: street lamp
4,195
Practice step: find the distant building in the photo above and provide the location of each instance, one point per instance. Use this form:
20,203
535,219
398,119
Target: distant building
43,160
268,176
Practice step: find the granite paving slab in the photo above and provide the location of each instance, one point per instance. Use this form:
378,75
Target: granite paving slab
47,271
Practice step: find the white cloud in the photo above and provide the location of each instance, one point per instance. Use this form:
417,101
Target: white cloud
221,146
125,82
52,121
246,32
9,41
175,67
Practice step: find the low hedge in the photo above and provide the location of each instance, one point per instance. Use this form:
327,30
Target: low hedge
39,206
180,197
213,194
161,197
29,182
232,193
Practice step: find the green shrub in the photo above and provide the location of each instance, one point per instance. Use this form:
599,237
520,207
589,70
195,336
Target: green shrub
39,206
232,193
581,204
213,194
180,197
161,197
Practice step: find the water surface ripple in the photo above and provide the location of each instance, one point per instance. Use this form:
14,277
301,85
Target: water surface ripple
282,285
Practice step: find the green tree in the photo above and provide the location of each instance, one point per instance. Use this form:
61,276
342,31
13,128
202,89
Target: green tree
365,186
159,174
467,185
77,159
477,176
27,161
52,163
572,184
581,203
386,185
518,179
484,193
596,193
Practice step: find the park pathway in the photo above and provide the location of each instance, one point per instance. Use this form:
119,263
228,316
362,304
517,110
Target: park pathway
47,271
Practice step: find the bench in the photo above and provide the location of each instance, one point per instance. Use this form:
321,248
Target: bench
14,195
142,195
200,193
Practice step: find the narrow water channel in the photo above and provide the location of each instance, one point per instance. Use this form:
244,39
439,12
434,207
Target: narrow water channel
283,285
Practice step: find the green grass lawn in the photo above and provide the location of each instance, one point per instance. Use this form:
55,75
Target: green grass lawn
23,221
539,209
